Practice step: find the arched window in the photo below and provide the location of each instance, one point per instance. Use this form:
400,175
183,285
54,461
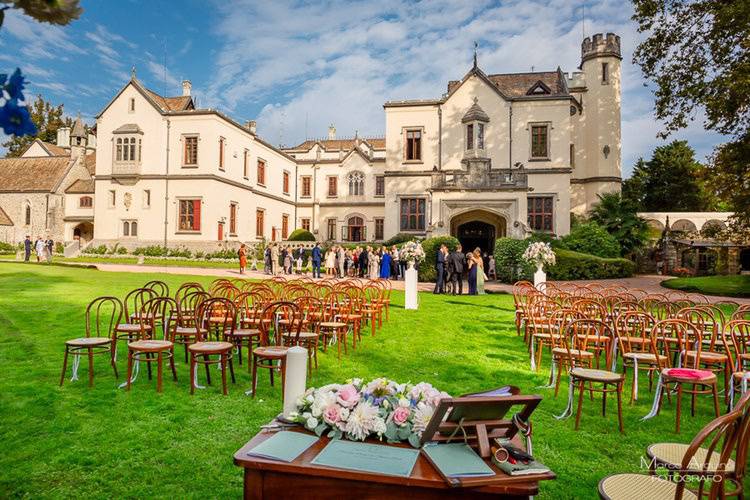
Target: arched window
27,214
118,157
126,150
355,230
134,228
86,202
356,184
126,228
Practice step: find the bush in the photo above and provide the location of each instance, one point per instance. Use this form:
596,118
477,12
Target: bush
399,238
100,250
430,247
227,253
7,248
59,247
580,266
301,235
122,250
591,238
151,251
509,264
180,252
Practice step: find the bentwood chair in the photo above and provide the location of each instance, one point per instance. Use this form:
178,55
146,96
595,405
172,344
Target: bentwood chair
246,334
739,333
151,349
138,324
187,329
102,316
282,318
159,287
217,314
633,331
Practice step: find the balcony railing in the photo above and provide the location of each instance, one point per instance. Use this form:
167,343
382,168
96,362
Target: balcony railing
126,168
480,179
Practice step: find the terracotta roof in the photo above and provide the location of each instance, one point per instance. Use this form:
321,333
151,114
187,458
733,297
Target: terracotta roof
81,186
4,219
519,84
54,149
179,103
377,143
90,163
32,174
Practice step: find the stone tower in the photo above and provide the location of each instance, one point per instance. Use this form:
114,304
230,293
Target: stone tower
600,122
78,138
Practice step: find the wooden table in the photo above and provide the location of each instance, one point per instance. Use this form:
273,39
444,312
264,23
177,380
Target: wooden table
271,479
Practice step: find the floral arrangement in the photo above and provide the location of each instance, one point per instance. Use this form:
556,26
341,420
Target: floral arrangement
540,253
412,251
381,408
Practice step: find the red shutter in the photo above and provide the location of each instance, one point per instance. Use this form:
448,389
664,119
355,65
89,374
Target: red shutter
196,215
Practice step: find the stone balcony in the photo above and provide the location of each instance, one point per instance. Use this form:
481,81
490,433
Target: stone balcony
478,176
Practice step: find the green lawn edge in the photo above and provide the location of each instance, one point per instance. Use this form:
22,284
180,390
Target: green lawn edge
727,286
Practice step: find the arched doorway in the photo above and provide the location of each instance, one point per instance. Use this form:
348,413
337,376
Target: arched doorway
745,259
83,232
355,229
478,229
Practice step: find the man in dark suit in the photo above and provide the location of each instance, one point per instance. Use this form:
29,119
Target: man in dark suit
364,261
316,258
442,253
456,261
27,244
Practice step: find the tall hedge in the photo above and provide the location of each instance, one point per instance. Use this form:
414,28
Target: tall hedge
430,247
591,238
509,264
581,266
397,239
301,235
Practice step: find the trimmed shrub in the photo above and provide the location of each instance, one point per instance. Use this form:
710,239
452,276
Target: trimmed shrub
7,248
580,266
430,247
100,250
509,264
399,238
122,251
301,235
227,253
151,251
591,238
180,252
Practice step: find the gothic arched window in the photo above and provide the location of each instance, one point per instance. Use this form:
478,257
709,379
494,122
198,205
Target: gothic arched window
27,214
356,184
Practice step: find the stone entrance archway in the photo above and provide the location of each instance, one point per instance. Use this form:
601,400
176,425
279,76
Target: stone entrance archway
83,232
478,228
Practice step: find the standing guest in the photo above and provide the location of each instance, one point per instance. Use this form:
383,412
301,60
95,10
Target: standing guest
316,257
330,261
242,252
385,263
267,262
481,276
374,262
440,269
27,248
341,255
473,264
288,260
50,247
394,262
274,259
39,247
456,264
491,271
299,254
364,262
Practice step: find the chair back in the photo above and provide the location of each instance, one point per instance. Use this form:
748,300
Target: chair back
159,287
273,329
217,315
187,288
633,331
673,338
103,314
134,302
187,307
161,307
582,335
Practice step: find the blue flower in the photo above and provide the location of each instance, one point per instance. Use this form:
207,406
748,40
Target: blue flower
15,85
16,120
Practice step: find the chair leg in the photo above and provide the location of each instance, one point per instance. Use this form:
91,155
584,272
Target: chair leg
619,406
716,399
692,402
171,365
208,370
186,351
231,370
255,376
193,373
65,367
149,359
271,373
158,372
604,401
580,403
679,407
91,367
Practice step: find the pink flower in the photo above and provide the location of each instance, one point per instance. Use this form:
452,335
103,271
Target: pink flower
400,415
332,414
347,396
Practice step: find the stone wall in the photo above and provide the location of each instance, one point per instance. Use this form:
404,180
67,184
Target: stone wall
46,216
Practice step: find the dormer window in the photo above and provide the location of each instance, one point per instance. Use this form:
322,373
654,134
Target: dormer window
127,144
475,121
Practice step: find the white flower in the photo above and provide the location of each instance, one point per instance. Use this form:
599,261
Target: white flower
293,415
403,402
311,423
379,426
344,414
422,416
361,421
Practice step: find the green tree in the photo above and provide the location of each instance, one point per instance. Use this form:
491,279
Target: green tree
697,54
47,118
591,238
59,12
671,180
633,187
620,220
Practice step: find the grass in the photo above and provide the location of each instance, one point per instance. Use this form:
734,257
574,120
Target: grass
729,286
93,259
104,442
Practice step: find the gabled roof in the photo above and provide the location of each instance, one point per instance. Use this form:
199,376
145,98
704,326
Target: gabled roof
81,186
33,174
4,218
377,143
52,149
355,151
128,128
162,104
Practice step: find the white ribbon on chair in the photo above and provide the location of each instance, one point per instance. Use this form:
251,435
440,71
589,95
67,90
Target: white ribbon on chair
76,364
195,378
552,377
533,355
743,388
635,378
657,400
136,366
614,356
568,409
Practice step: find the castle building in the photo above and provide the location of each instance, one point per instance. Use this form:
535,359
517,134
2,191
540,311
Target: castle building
495,155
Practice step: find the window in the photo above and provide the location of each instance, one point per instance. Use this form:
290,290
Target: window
305,223
131,105
245,158
112,198
605,73
540,210
412,214
27,215
190,215
284,226
146,198
413,145
259,220
190,150
379,224
539,138
480,135
355,229
127,149
470,136
126,228
331,229
380,185
222,143
306,186
85,202
261,172
130,228
333,186
356,184
285,183
572,156
232,218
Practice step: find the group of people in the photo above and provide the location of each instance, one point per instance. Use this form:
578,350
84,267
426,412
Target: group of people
367,262
42,248
453,266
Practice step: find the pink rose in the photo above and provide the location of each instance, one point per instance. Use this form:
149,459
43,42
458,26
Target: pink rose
332,414
347,396
400,415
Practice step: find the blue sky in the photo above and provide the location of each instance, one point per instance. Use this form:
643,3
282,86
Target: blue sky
296,67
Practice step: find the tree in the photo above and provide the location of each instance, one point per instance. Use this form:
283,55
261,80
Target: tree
590,237
696,53
620,220
633,188
59,12
47,118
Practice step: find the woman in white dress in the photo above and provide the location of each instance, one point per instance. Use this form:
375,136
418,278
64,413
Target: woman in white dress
374,264
330,262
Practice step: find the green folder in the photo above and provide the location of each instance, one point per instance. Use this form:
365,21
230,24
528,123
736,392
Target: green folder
375,458
457,460
284,446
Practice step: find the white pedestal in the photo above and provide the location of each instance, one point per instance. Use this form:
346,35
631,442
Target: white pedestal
411,300
540,277
295,384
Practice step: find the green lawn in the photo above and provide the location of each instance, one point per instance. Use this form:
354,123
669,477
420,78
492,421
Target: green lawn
104,442
148,261
729,286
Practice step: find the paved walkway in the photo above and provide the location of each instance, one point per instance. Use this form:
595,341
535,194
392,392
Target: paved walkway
648,283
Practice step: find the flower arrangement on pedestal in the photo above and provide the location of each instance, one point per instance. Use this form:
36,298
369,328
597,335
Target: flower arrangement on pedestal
412,252
381,408
540,254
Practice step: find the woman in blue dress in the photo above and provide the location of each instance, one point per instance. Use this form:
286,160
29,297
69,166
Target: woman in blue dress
385,263
472,273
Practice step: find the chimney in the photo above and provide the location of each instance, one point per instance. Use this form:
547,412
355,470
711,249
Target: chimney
331,132
63,137
186,87
251,125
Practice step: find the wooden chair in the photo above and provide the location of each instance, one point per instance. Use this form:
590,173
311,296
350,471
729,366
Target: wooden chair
217,314
103,314
187,330
186,288
138,325
247,334
739,333
333,328
272,349
311,309
159,287
633,332
522,290
151,349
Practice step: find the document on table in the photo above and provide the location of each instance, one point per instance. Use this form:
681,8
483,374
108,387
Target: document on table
284,446
457,460
365,457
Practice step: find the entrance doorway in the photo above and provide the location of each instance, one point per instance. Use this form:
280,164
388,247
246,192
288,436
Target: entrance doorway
355,229
745,260
476,234
83,232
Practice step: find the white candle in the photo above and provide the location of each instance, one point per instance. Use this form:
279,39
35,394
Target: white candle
296,378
